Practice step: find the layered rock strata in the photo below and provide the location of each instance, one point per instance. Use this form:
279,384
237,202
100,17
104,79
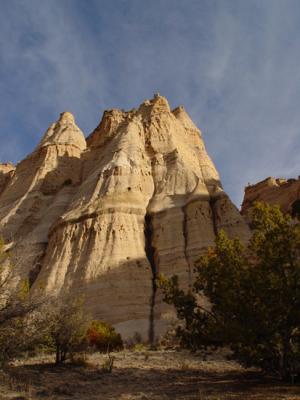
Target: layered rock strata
282,192
103,217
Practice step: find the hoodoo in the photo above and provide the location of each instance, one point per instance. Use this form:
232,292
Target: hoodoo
282,192
104,216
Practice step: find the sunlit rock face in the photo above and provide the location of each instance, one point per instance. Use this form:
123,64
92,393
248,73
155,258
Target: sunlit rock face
103,217
282,192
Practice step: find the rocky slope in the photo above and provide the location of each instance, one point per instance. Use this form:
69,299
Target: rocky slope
104,216
285,193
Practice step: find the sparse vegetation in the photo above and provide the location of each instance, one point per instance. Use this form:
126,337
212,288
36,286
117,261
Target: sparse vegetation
34,324
254,296
164,375
66,327
19,315
254,308
103,337
108,364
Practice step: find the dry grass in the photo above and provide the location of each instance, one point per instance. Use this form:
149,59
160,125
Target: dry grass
142,375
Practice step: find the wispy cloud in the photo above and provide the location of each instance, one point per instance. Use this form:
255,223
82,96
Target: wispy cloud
233,64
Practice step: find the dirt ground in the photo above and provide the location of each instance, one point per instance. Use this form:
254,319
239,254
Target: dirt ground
141,375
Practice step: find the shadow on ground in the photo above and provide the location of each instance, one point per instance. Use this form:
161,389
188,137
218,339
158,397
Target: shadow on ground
147,382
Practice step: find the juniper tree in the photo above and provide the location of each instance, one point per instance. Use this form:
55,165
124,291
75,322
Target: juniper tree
253,294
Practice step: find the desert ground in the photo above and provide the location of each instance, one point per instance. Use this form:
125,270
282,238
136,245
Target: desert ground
141,375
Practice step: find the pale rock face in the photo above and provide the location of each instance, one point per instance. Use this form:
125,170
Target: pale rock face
282,192
39,191
143,198
64,132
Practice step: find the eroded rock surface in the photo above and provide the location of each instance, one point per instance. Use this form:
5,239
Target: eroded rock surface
103,217
282,192
6,173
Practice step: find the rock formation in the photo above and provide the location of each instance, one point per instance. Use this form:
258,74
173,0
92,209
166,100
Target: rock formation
285,193
104,216
6,173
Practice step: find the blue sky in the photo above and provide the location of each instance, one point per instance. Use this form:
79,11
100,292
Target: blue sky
233,64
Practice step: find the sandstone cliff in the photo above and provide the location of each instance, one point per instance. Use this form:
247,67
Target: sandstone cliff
103,217
285,193
6,173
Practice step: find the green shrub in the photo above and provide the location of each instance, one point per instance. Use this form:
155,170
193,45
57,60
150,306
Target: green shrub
66,327
254,296
103,337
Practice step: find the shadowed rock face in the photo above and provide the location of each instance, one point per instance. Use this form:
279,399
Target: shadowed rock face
142,198
282,192
6,173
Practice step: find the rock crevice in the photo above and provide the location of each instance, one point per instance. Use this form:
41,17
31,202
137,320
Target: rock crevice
150,254
106,215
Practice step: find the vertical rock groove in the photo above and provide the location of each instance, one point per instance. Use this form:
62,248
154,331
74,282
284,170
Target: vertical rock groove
149,249
212,202
88,199
185,238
